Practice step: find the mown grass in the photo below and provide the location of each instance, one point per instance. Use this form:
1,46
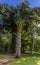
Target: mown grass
27,60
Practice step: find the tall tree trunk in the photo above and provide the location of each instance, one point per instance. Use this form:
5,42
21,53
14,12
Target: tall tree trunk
18,42
32,43
32,37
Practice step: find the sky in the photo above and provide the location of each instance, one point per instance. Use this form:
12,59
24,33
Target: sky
33,3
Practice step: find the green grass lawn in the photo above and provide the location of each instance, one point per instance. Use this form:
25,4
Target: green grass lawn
28,60
1,57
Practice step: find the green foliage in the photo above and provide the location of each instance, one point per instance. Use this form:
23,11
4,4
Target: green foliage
22,17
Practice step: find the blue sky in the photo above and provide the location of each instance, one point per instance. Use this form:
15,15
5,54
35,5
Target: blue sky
33,3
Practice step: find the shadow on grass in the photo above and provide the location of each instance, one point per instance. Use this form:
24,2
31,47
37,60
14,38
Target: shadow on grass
1,57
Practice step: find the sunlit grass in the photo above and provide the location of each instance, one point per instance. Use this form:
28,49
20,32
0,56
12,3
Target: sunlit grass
31,60
38,62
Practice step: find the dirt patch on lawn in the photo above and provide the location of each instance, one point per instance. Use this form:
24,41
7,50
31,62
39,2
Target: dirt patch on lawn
7,58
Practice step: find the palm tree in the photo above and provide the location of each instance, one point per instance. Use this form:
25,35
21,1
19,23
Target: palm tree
23,14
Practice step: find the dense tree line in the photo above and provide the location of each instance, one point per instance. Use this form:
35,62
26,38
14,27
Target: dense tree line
20,22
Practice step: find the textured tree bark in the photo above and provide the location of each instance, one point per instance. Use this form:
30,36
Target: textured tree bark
32,43
18,43
32,37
